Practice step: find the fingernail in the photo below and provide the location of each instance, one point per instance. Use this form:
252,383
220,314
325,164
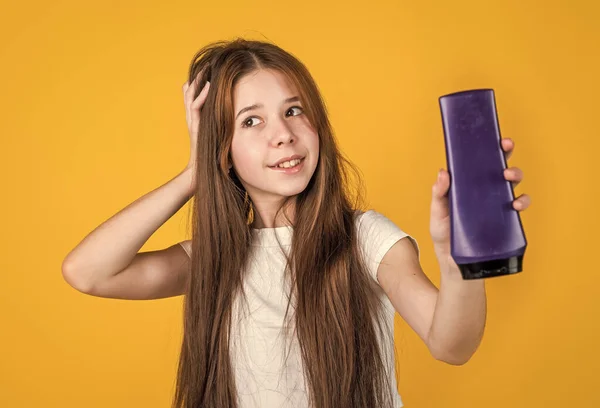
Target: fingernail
439,174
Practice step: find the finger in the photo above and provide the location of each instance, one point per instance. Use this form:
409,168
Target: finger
191,90
442,184
196,79
188,97
199,101
513,174
522,202
196,105
439,200
508,145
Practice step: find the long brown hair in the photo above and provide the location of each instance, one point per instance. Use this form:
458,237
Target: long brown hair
337,308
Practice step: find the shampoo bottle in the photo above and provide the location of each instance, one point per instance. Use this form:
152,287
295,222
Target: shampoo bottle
487,237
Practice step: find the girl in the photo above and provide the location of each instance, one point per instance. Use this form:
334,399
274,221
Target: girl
290,289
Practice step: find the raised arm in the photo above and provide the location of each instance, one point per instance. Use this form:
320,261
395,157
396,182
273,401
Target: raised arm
107,262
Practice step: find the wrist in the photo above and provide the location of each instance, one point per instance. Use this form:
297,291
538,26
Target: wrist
188,173
190,165
448,267
442,253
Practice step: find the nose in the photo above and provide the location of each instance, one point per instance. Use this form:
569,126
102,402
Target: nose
282,134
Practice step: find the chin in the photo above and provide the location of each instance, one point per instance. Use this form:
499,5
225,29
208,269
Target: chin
287,192
281,192
277,188
290,192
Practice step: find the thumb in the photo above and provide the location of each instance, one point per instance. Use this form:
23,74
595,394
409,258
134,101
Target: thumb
439,197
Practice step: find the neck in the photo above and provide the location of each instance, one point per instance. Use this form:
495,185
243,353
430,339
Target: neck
265,214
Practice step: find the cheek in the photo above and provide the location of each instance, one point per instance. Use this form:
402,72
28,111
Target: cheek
315,141
307,133
245,156
312,141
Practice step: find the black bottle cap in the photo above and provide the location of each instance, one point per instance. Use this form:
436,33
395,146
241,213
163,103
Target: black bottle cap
490,269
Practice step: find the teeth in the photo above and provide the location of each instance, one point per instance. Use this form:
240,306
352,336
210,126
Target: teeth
289,164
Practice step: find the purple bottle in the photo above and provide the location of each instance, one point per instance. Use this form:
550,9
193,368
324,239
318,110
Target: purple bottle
487,237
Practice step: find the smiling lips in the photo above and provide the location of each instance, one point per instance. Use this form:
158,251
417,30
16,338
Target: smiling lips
287,159
289,163
289,166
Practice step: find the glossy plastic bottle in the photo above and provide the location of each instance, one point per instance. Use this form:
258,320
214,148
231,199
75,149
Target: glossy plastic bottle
487,237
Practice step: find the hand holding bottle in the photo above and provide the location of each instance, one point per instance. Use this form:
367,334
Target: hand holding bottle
440,212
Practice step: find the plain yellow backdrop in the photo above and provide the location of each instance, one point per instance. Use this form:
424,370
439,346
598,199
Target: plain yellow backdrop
92,118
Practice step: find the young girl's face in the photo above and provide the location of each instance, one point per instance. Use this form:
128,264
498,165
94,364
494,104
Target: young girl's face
270,126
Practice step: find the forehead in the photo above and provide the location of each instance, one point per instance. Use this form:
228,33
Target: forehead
262,86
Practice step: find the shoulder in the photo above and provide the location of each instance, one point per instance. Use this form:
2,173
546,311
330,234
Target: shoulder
374,229
374,221
377,234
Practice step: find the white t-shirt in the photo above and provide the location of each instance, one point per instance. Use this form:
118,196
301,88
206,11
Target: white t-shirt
264,377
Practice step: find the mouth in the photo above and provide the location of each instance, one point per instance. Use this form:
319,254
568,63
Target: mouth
293,166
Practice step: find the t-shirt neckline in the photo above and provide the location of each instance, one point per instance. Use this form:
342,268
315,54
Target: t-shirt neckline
269,237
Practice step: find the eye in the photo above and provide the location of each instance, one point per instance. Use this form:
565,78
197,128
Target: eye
295,107
248,121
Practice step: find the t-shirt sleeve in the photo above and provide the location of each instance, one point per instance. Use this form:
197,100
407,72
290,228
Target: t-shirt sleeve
376,235
187,247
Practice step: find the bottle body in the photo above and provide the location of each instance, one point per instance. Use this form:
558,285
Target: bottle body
487,236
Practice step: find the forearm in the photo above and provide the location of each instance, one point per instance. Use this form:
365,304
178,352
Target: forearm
459,317
111,246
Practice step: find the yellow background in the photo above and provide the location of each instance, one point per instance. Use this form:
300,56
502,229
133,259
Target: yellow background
92,118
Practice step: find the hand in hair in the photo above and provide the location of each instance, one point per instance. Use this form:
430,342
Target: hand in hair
193,104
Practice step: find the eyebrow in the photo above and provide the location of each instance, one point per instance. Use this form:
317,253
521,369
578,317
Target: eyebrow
260,105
